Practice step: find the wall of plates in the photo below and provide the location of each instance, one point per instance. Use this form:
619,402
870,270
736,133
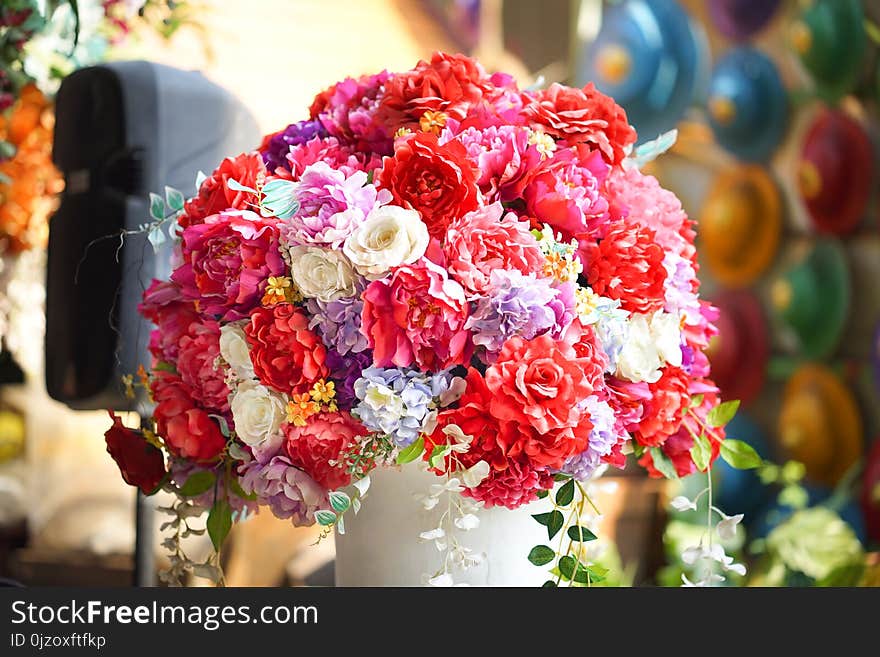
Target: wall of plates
776,104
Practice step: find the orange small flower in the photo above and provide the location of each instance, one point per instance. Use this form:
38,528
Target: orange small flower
300,409
432,121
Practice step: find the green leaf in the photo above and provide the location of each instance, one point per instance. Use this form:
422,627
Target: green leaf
411,452
565,494
697,400
581,534
638,450
723,413
198,483
174,199
542,518
549,584
157,207
222,423
541,494
663,464
219,522
567,565
236,186
740,455
555,523
541,555
279,199
156,237
339,501
7,150
701,452
438,454
200,178
325,517
561,476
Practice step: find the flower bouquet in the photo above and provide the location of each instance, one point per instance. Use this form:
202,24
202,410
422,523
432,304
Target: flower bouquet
436,266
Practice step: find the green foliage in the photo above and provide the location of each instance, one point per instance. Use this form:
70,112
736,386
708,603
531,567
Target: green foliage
411,452
219,522
701,452
198,483
723,413
325,517
581,534
340,501
565,494
541,555
663,464
740,455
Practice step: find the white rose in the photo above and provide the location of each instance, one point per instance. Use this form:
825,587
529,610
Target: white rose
258,413
666,330
234,350
639,360
389,237
321,273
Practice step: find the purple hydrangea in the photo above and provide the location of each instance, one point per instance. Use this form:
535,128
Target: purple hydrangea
345,371
402,403
339,323
522,305
602,439
287,490
680,296
275,154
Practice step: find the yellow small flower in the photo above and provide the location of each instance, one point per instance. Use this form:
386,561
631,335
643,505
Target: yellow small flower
324,391
545,143
300,409
402,132
128,382
432,121
278,290
586,301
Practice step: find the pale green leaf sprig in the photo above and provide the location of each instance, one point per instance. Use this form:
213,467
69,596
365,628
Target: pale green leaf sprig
571,558
340,503
277,198
164,213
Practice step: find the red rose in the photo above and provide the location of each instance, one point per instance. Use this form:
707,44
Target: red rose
586,345
140,463
448,83
582,115
164,305
319,443
539,383
188,430
287,356
215,195
438,181
628,265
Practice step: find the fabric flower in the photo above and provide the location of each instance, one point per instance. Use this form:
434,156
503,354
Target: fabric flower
437,180
234,350
258,413
538,382
583,115
316,447
664,411
331,151
652,341
390,236
140,463
321,273
276,147
399,403
331,205
197,365
521,305
345,371
164,305
417,315
338,322
287,356
447,83
227,261
287,490
603,438
188,430
215,195
628,265
483,241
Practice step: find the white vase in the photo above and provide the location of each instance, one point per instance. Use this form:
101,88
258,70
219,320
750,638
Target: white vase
381,544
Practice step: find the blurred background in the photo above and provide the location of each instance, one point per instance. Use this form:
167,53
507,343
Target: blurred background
776,107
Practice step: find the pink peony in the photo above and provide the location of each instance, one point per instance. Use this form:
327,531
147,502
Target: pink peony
171,313
287,490
316,447
331,151
482,242
566,194
197,365
227,261
417,315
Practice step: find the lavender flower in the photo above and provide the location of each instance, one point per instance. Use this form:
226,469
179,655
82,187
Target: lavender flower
403,403
339,322
602,439
345,371
279,144
289,491
680,296
523,305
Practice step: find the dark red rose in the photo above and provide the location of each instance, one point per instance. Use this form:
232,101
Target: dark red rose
140,463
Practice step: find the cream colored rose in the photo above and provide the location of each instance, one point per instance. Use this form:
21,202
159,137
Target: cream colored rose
234,350
389,237
652,341
321,273
258,413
